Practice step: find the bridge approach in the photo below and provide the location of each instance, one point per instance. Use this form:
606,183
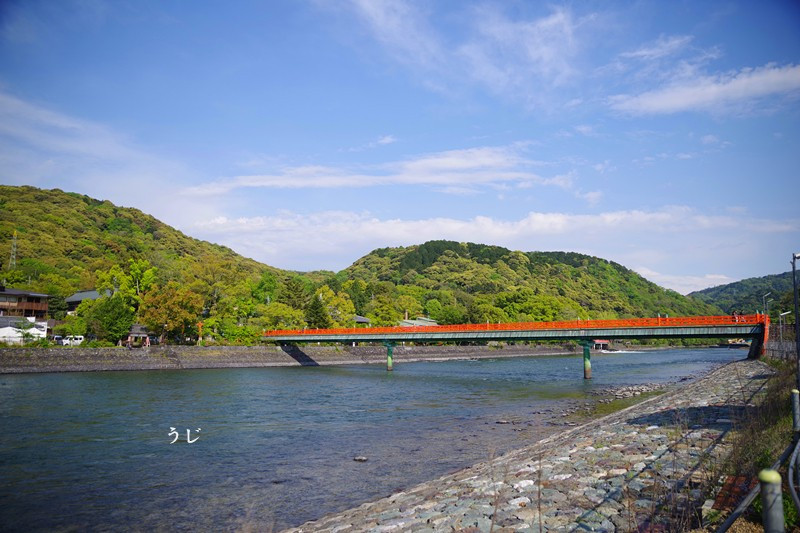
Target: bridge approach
751,327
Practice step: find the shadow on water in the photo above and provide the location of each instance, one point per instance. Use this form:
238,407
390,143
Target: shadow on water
299,355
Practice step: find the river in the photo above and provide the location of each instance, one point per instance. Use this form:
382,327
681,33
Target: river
275,446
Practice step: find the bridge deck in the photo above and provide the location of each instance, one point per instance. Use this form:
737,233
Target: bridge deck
743,326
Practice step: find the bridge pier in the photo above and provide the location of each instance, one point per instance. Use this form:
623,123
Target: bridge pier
587,359
389,350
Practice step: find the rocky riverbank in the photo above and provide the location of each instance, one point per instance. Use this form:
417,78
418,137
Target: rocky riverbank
640,468
76,359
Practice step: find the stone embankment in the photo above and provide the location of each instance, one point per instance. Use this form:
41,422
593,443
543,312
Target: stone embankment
76,359
638,469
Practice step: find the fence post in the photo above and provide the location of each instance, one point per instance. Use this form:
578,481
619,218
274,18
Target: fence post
796,411
771,501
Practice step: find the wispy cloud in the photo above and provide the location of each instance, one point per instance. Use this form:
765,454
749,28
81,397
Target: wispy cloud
521,56
45,148
664,46
383,140
732,90
403,30
462,169
521,59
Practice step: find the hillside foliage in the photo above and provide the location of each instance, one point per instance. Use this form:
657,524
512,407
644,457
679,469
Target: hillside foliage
155,275
747,295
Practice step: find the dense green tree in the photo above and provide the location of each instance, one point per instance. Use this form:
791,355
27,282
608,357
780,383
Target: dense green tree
408,306
171,310
110,319
357,290
73,325
293,293
281,316
142,275
382,311
317,315
266,289
340,309
57,307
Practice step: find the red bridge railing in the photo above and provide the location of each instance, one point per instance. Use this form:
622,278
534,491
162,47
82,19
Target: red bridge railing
683,321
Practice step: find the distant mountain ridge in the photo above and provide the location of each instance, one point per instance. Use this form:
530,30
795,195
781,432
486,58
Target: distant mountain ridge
747,295
567,284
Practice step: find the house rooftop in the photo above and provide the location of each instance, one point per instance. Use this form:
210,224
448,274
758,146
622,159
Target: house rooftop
85,295
17,292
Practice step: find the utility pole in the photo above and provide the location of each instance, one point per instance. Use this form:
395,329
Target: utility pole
795,257
12,262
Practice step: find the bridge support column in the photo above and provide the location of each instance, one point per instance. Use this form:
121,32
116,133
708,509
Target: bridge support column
587,359
389,350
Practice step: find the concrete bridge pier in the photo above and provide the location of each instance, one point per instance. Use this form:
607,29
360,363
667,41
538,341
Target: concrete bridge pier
587,359
389,350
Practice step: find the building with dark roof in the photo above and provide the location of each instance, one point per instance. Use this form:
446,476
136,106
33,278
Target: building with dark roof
15,302
75,300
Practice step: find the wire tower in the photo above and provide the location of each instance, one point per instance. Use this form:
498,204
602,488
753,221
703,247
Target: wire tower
12,262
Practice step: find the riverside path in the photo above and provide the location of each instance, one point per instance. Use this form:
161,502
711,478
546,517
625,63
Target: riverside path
752,327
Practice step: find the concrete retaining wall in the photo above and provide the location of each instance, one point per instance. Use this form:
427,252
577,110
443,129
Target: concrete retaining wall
66,359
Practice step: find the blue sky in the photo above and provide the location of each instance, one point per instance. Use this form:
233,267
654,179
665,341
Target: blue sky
304,134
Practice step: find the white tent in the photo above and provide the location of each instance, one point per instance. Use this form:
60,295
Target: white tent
13,329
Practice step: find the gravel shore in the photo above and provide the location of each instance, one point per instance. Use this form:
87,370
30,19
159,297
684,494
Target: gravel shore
637,468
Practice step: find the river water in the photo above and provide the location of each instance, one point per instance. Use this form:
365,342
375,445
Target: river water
275,446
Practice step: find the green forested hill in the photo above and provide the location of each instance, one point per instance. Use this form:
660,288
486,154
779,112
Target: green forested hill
63,239
170,282
747,295
454,281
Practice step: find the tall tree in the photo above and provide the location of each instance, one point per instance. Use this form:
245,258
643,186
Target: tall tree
111,318
172,310
293,293
317,314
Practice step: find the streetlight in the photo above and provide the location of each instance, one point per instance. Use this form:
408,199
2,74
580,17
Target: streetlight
795,257
780,325
766,312
764,301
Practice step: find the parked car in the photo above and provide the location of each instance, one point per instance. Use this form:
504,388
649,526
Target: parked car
72,340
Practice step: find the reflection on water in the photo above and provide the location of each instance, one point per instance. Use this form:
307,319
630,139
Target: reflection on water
92,450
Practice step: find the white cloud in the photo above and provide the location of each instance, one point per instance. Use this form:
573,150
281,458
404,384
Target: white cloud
709,139
714,93
605,166
684,284
652,239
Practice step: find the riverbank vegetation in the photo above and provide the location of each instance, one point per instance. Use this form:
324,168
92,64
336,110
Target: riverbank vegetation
152,274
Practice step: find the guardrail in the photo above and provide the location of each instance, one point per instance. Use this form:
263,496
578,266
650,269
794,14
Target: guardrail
737,320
